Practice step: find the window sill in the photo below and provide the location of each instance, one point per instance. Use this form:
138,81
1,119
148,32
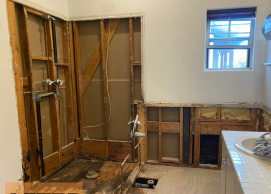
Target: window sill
231,69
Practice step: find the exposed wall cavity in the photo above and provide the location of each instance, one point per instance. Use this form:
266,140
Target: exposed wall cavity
208,113
266,120
239,114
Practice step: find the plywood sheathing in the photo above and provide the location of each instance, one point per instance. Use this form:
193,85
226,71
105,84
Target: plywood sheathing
90,36
239,114
208,113
266,121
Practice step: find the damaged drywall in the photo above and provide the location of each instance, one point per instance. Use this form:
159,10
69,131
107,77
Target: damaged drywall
239,114
208,113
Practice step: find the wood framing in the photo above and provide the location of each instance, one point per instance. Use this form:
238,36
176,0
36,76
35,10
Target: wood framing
142,113
30,103
132,84
160,135
16,63
181,135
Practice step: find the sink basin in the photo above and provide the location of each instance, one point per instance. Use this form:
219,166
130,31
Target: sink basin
245,145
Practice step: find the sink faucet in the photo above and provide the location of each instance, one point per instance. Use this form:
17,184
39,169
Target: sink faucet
136,123
262,145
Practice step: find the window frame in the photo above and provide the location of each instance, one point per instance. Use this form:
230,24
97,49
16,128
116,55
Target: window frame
249,47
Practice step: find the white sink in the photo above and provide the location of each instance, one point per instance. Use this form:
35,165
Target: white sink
245,145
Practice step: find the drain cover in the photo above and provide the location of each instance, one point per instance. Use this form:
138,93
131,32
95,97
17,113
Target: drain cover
92,174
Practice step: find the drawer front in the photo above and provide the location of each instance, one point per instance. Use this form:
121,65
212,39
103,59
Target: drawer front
210,129
237,127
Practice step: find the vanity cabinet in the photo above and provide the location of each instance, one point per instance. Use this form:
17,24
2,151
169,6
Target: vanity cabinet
229,180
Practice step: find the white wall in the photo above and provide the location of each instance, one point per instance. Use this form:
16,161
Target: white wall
10,148
174,49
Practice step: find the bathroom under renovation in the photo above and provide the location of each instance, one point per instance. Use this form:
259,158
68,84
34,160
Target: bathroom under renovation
100,110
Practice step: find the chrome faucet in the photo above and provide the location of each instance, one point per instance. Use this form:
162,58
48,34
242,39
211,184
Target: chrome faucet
136,123
262,145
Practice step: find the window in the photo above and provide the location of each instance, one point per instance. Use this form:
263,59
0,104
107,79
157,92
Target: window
230,36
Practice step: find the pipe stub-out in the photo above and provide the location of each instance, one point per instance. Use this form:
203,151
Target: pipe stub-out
150,182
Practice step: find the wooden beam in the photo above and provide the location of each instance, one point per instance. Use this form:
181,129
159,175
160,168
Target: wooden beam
77,57
25,81
181,135
16,63
152,126
74,89
160,135
97,55
218,113
192,129
136,64
196,138
30,103
34,11
170,127
132,83
40,58
142,114
68,82
53,100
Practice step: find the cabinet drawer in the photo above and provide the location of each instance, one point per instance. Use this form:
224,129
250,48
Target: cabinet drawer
210,129
237,127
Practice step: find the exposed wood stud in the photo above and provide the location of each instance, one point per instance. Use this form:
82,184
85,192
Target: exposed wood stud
192,128
136,64
25,81
132,84
16,63
197,138
77,55
54,101
40,58
74,89
30,104
218,113
160,135
181,135
36,12
105,85
142,113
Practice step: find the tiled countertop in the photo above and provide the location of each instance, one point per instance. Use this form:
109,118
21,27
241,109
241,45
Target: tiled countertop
253,172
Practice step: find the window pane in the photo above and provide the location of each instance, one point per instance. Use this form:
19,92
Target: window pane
238,42
219,36
219,22
219,29
239,35
219,43
240,26
227,58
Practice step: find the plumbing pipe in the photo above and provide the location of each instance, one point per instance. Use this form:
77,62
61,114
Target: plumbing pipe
122,170
139,144
40,151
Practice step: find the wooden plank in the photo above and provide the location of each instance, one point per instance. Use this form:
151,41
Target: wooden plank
68,153
192,129
210,129
53,100
181,135
30,104
97,55
19,82
40,58
253,114
196,138
237,127
152,126
105,86
170,160
51,163
74,89
119,150
80,99
142,114
170,127
25,81
36,12
160,136
94,148
218,116
68,82
227,123
186,133
225,120
132,84
136,64
62,64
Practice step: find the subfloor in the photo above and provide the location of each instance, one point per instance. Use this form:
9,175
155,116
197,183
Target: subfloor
109,174
180,180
